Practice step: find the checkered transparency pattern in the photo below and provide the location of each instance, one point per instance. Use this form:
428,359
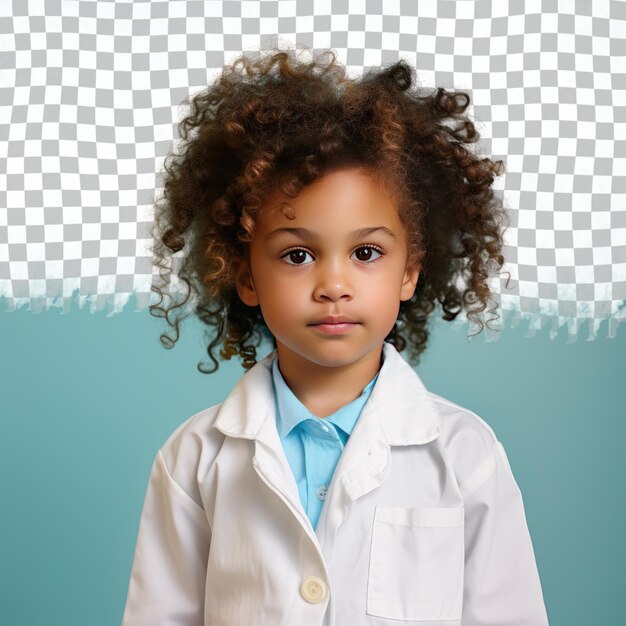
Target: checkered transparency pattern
89,105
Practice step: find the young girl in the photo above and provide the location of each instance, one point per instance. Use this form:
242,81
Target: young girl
330,488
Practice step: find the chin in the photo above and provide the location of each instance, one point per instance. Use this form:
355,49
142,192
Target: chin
335,356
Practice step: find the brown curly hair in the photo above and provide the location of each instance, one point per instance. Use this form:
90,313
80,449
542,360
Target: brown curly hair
276,120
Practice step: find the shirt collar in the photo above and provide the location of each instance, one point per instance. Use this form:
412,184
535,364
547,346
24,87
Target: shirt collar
399,401
290,410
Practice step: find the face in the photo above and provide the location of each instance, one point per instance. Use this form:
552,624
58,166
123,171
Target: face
329,281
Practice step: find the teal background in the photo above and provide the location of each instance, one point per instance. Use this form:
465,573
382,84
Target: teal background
87,400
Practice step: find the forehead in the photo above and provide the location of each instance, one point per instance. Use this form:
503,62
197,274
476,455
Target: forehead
348,195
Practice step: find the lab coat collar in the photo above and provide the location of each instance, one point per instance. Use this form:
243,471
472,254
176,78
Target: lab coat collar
405,412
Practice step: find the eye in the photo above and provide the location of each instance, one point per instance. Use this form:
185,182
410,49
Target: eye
296,256
367,254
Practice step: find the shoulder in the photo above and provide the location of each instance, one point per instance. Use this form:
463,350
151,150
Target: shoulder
194,436
470,442
190,450
461,422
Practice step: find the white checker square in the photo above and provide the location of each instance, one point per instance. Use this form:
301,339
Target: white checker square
304,23
18,270
463,47
106,284
373,23
530,289
566,291
390,41
498,45
36,251
109,248
54,269
582,239
90,267
585,274
70,284
564,257
482,28
338,22
546,274
600,220
92,232
37,287
527,256
17,233
126,265
128,230
602,184
562,220
464,9
111,215
73,250
356,40
602,292
545,238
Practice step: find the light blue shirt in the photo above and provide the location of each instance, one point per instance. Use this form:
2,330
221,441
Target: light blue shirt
312,444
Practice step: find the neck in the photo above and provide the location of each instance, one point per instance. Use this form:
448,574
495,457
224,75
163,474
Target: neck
324,389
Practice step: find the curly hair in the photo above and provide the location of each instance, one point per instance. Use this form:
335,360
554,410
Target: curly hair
278,121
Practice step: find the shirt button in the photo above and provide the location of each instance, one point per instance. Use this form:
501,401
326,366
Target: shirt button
321,492
324,427
313,589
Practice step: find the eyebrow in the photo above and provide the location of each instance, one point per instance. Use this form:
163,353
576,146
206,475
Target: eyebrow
307,234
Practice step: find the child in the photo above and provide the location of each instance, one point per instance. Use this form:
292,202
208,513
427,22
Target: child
330,487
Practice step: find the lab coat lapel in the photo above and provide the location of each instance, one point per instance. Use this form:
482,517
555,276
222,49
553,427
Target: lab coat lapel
249,412
272,465
399,412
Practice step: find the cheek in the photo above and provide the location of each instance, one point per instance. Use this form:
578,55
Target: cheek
388,281
382,292
282,294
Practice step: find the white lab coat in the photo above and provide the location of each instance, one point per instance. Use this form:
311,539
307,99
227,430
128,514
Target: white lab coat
423,521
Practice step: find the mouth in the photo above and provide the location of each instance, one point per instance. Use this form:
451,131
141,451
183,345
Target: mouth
337,319
335,327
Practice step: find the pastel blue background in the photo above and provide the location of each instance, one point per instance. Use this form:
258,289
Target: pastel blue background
87,400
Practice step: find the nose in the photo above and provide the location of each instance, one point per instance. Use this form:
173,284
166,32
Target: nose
332,282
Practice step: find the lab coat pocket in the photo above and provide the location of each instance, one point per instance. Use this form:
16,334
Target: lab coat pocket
416,563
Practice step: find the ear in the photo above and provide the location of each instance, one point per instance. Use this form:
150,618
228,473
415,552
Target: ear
245,284
409,282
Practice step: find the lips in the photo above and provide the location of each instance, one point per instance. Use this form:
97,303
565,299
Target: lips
330,319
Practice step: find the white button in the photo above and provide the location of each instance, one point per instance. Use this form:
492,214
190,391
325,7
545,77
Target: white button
313,589
324,427
321,492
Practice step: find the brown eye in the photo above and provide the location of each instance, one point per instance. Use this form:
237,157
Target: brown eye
296,257
367,253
